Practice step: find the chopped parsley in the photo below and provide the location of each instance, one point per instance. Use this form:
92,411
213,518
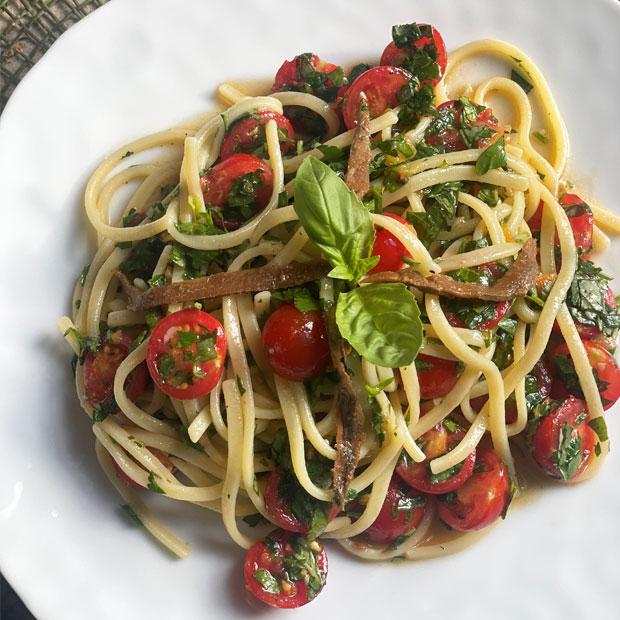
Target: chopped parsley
568,456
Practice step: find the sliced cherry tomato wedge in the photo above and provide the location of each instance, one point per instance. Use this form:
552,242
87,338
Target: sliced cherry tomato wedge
482,499
499,312
432,45
436,376
240,185
185,354
100,368
454,131
388,248
309,74
604,367
436,442
247,135
130,481
285,570
562,443
296,343
402,511
381,86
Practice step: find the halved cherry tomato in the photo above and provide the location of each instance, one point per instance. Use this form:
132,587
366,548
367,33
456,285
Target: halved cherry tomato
309,74
100,368
241,184
167,463
604,367
562,443
402,511
396,56
580,218
436,442
381,86
248,134
296,343
285,570
482,499
185,354
436,376
388,248
499,312
446,130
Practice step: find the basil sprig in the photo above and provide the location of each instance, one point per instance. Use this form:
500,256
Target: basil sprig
382,323
493,156
335,220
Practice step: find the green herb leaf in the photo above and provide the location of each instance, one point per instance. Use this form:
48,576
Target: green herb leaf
335,220
493,156
373,390
152,484
382,323
515,76
568,457
131,514
599,426
267,581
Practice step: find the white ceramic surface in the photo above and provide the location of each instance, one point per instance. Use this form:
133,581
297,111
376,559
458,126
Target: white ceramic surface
135,66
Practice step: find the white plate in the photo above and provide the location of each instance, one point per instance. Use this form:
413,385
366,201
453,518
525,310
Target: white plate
134,67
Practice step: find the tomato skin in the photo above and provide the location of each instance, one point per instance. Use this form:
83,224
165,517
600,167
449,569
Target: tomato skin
392,521
394,56
219,180
501,308
248,134
271,558
162,343
388,248
100,367
381,85
603,364
437,380
482,499
436,442
546,437
276,506
296,343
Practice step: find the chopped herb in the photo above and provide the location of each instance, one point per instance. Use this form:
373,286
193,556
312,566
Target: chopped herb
130,512
541,137
515,76
240,387
157,280
102,410
267,581
127,154
152,484
568,457
373,390
492,157
599,426
302,297
83,275
143,258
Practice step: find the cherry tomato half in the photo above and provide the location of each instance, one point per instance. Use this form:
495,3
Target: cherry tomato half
381,86
436,442
248,134
397,56
278,508
562,443
100,368
402,511
241,184
309,74
482,499
185,354
284,570
388,248
296,343
436,376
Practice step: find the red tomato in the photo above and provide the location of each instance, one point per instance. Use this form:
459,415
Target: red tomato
100,367
220,180
449,127
130,481
482,499
277,507
276,570
186,353
388,248
309,74
562,444
296,343
500,311
604,367
436,376
381,85
436,442
402,511
394,56
248,134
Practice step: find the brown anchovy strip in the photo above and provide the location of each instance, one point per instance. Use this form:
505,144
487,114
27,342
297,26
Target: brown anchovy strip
266,278
515,282
350,424
358,170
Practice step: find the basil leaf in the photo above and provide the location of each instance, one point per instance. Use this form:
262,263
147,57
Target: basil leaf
267,581
599,426
493,156
382,323
335,220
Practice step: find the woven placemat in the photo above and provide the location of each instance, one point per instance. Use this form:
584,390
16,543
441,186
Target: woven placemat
27,29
